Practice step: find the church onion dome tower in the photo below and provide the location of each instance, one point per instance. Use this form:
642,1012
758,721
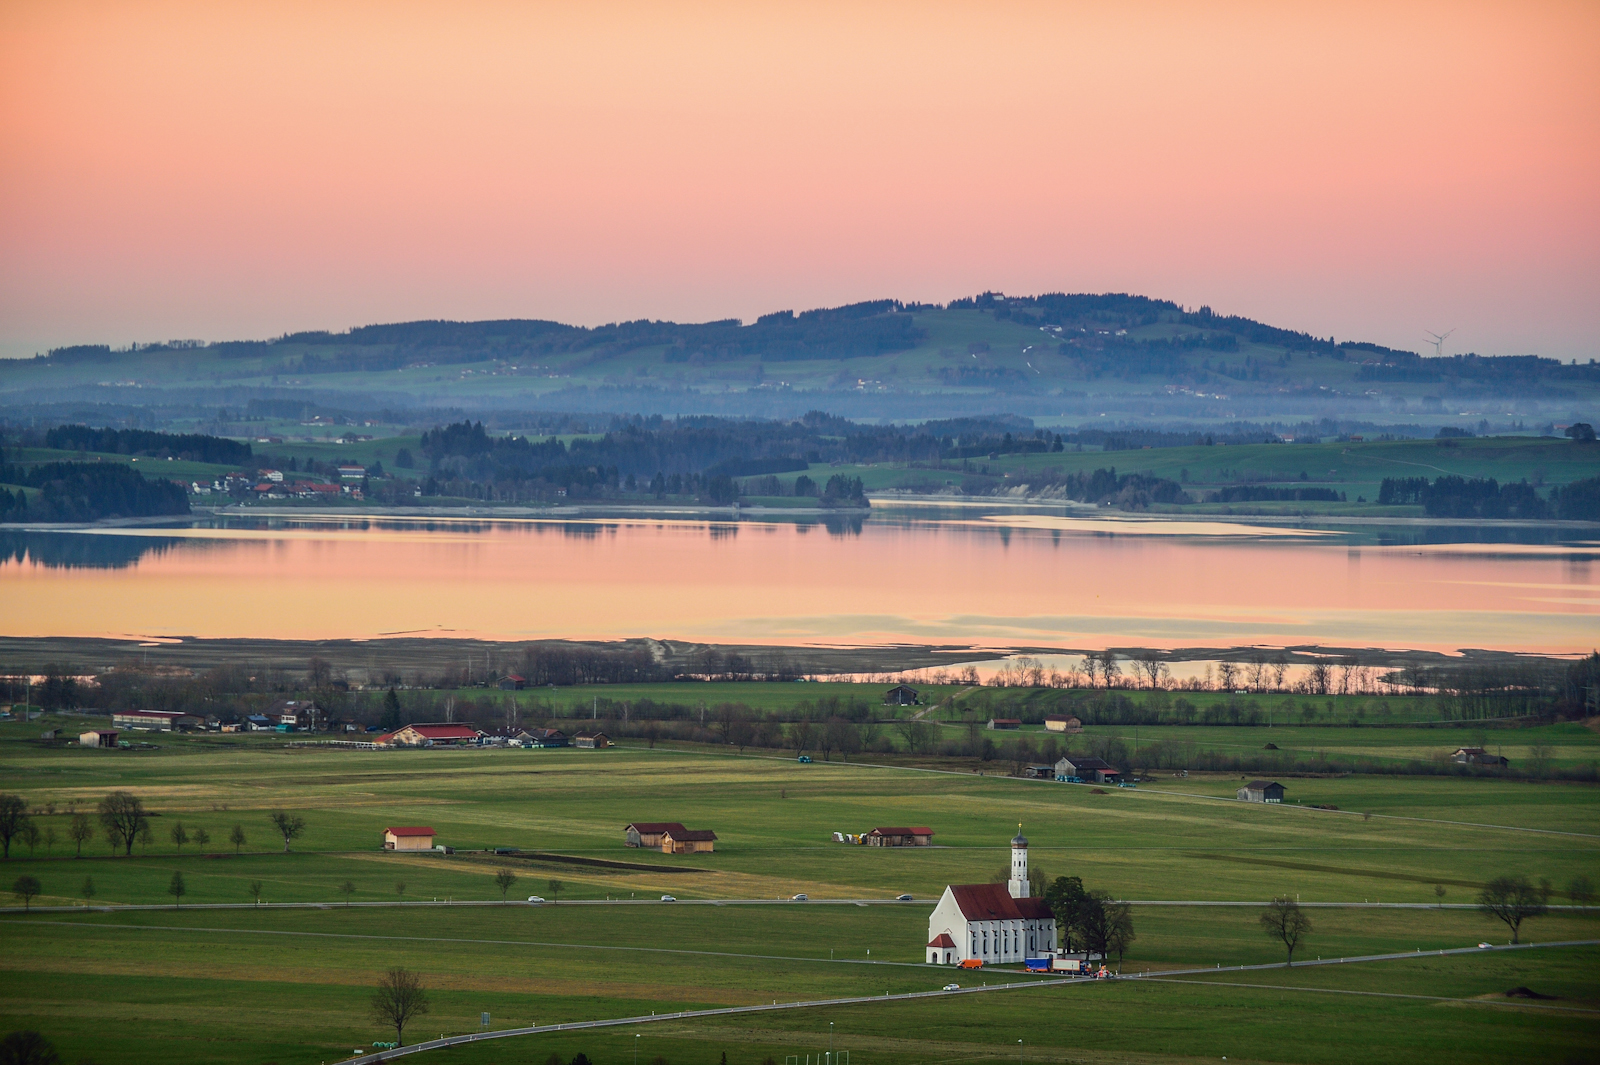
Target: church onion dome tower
1018,884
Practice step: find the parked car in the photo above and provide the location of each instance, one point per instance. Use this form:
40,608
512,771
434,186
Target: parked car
804,759
902,898
952,987
535,899
668,898
798,898
1484,946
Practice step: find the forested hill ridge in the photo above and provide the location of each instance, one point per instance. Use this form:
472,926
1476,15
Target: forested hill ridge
1055,355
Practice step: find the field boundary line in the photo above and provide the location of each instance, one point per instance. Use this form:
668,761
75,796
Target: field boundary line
1166,794
617,1022
1377,994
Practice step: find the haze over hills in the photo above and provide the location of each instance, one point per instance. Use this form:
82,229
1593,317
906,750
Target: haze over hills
1052,357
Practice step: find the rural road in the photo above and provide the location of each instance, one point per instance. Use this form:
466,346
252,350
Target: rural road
617,1022
132,907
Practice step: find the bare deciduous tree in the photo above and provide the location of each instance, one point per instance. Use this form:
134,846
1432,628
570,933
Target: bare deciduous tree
347,889
80,831
26,888
400,997
88,890
236,837
13,816
1284,922
1227,676
504,880
288,825
180,836
1512,899
123,816
177,889
255,891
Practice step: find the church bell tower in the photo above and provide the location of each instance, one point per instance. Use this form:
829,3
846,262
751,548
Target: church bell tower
1018,884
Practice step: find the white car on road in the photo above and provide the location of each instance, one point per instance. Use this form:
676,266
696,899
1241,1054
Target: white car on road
535,899
952,987
668,898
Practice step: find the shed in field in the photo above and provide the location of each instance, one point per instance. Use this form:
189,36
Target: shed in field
901,695
1005,723
899,837
688,841
1062,723
100,737
414,838
1261,791
648,833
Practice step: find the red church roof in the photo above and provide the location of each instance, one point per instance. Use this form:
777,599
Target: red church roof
944,940
992,902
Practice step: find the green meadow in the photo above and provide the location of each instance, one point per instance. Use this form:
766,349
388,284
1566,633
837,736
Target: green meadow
187,984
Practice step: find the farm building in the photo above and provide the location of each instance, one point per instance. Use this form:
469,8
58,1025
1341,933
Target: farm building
100,737
1005,723
1478,756
511,682
431,736
1093,770
649,833
1062,723
415,838
990,922
1261,791
546,737
688,841
591,740
899,837
901,695
1039,772
297,713
155,720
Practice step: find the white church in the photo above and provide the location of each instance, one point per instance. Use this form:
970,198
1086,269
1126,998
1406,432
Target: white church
993,923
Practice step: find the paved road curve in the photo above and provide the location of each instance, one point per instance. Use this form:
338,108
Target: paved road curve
617,1022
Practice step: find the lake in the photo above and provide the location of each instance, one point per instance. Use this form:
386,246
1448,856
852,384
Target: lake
990,576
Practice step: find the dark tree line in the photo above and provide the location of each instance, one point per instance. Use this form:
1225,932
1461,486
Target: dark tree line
194,447
1451,496
87,491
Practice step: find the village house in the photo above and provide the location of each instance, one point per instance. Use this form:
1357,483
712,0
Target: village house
1005,723
688,841
1084,768
648,833
591,740
100,737
155,720
901,695
436,735
1260,791
511,682
1478,756
899,837
297,714
1062,723
546,737
351,472
416,838
992,923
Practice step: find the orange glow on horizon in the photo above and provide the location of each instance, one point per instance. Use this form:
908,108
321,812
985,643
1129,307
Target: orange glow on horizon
1364,170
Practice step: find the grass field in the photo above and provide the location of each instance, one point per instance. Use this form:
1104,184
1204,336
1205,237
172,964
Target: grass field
282,985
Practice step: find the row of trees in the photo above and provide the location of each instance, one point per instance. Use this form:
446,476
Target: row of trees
124,821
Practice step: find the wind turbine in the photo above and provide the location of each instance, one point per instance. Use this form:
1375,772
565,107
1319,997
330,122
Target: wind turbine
1438,340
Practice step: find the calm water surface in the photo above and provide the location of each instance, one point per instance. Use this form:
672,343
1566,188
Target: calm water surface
971,576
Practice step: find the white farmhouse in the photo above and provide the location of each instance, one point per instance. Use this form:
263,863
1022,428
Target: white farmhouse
992,923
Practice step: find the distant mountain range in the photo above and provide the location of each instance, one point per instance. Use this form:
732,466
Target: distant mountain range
1057,356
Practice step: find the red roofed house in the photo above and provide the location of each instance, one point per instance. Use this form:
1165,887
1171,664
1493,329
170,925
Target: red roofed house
994,923
899,837
432,736
417,838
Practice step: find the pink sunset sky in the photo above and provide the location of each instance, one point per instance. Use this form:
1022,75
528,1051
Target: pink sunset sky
1367,171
